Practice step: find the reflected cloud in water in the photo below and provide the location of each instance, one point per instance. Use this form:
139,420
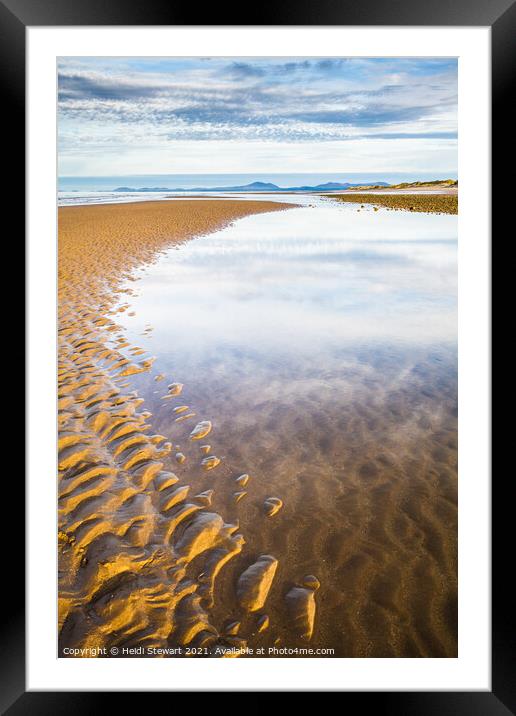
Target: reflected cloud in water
312,280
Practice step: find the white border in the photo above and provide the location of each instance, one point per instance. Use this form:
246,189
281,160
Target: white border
471,670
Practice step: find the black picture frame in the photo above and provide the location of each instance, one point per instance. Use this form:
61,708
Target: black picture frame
500,16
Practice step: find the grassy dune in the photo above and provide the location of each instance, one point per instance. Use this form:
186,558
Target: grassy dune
436,184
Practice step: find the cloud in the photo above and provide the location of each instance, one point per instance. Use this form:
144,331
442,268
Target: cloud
244,69
88,87
160,101
362,117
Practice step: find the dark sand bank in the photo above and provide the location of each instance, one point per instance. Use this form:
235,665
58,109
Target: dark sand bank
432,203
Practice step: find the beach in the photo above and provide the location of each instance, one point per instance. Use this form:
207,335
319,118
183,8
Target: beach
283,474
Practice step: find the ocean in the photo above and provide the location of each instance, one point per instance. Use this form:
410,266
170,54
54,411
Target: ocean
192,181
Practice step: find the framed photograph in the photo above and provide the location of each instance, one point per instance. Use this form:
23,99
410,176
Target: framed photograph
259,397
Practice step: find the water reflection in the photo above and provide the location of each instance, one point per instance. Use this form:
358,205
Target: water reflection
309,277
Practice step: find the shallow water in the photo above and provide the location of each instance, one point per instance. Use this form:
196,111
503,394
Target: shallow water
321,343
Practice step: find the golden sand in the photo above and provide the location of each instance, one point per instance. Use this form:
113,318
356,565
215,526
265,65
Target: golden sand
138,556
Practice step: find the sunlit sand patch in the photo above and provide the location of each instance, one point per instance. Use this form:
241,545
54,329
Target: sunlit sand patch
201,430
301,606
262,623
182,418
205,497
141,367
164,479
208,463
174,389
254,584
232,628
272,505
170,498
181,409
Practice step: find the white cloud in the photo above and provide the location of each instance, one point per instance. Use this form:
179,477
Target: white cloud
166,115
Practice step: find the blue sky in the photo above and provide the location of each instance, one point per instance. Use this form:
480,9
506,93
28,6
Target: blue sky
198,115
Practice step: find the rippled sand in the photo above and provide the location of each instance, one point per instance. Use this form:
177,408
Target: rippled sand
139,551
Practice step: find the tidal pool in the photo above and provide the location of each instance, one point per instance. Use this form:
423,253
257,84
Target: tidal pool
321,342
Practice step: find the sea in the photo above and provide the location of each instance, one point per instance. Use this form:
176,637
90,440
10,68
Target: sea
101,189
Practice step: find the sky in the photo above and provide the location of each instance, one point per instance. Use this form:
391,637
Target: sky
125,116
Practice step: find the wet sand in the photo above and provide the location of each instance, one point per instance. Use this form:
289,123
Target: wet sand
276,516
138,554
365,473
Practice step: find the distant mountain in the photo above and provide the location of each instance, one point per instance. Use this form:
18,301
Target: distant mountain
256,186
